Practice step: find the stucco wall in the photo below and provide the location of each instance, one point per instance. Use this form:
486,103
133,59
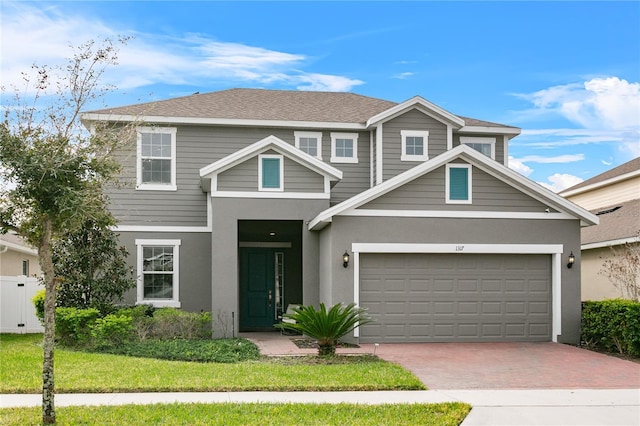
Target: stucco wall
596,286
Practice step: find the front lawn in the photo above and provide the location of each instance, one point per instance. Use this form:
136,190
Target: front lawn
78,372
445,414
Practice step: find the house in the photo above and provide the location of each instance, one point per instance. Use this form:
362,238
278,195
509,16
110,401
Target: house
265,198
613,196
19,272
17,257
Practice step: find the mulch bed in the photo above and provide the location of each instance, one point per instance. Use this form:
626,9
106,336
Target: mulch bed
304,343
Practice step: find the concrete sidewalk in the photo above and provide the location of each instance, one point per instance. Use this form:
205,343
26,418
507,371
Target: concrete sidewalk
490,407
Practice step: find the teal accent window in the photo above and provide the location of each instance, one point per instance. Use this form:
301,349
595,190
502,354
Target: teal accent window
458,182
270,173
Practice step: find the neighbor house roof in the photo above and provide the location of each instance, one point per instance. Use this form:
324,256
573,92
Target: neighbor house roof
619,223
622,172
14,242
275,106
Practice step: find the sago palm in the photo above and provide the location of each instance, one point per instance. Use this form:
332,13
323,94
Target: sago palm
326,326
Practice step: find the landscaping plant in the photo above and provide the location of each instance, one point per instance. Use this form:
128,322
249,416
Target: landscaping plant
326,326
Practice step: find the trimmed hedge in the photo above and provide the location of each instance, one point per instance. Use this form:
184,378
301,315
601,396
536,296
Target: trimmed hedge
612,326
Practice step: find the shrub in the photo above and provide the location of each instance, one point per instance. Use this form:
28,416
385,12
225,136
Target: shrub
220,350
612,326
38,302
73,325
170,323
326,326
112,330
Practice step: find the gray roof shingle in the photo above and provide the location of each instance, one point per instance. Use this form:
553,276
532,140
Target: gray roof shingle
629,166
621,223
263,104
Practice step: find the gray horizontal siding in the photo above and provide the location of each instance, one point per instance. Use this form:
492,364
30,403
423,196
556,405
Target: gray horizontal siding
243,177
298,178
428,193
499,143
392,140
199,146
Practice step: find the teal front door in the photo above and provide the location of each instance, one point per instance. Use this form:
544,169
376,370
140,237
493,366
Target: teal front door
257,288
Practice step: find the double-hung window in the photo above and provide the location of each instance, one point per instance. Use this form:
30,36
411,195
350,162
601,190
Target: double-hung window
156,163
158,272
486,146
309,142
270,172
415,144
458,184
344,147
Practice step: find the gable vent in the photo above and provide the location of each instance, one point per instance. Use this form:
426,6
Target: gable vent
607,211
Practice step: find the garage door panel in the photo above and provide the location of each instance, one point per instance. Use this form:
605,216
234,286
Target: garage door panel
452,297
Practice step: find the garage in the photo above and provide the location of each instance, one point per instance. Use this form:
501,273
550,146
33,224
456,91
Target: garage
455,297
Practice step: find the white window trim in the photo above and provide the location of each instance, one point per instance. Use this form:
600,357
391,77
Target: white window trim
447,183
354,138
174,302
154,186
424,134
316,135
481,140
280,188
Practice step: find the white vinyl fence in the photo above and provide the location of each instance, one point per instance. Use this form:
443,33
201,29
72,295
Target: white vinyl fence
17,313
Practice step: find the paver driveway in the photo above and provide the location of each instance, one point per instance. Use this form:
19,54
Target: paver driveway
511,366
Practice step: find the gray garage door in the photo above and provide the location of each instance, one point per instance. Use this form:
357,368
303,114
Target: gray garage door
456,297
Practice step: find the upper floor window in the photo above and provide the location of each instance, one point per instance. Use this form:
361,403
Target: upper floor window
458,184
415,145
156,163
344,147
158,272
486,146
270,172
310,142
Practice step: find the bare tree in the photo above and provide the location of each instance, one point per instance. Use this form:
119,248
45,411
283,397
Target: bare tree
54,169
623,268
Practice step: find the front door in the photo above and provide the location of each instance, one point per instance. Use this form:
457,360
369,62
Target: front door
257,288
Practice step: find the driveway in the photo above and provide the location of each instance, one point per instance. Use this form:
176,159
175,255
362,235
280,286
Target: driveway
543,365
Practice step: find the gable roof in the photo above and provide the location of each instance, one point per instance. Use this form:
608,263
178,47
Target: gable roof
473,157
417,102
617,174
268,143
275,108
618,224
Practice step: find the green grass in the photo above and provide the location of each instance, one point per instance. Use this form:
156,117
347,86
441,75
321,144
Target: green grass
248,414
76,372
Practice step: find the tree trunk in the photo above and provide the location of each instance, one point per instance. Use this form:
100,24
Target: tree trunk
46,263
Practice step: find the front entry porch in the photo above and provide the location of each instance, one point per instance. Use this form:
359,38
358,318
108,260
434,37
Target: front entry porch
269,271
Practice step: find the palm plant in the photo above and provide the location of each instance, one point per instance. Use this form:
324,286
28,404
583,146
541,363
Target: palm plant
326,326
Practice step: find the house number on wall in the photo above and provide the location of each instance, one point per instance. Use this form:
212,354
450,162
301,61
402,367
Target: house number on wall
459,248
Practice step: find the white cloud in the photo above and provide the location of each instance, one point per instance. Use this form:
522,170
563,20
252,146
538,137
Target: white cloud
569,158
519,166
43,35
600,103
607,110
560,181
403,75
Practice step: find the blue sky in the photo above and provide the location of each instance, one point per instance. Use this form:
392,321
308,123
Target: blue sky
567,73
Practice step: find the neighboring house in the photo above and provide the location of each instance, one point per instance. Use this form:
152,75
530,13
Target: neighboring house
243,201
19,272
17,257
614,196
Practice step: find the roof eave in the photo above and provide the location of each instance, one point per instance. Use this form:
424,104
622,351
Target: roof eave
412,103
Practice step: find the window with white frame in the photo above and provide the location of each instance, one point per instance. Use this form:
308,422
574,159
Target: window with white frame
158,272
486,146
25,267
458,184
415,144
344,147
270,172
156,164
309,142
